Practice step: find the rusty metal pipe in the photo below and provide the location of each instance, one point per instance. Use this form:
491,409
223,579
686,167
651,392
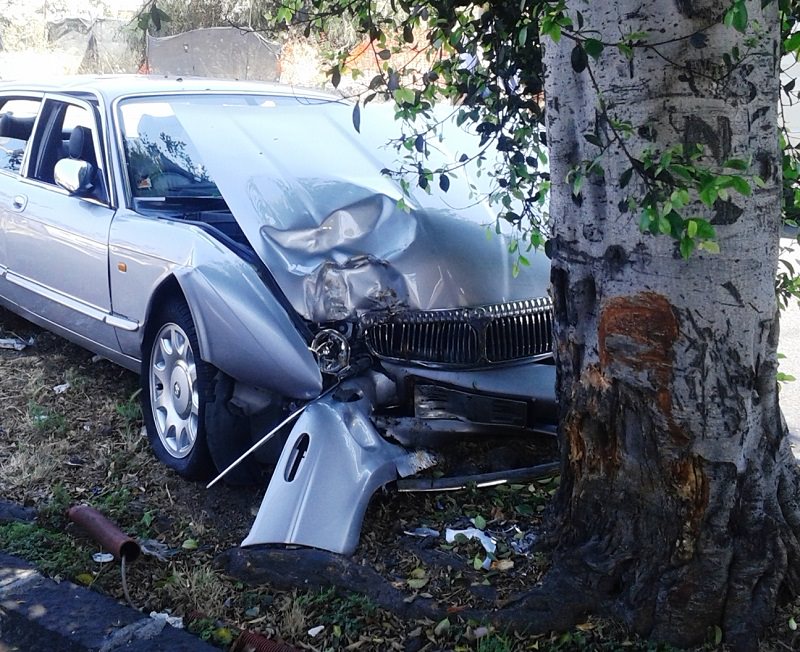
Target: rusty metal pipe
105,532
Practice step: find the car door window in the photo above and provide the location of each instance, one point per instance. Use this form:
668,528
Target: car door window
69,132
17,116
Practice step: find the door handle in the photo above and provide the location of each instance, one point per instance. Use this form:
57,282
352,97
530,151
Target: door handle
19,202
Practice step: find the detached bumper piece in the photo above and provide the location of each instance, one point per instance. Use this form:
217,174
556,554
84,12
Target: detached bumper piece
331,465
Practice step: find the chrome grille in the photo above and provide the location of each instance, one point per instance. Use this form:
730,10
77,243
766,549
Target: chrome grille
466,336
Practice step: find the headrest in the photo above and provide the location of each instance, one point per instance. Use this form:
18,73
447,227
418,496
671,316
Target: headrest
17,128
80,144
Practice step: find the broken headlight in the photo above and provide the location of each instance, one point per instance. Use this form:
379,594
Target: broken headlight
332,351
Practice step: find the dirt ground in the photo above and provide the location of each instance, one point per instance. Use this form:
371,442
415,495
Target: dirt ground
70,433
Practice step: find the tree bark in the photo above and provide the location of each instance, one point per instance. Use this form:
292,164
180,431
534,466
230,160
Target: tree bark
678,509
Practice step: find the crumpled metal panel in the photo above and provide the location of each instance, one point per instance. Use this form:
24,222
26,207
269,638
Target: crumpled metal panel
245,331
308,192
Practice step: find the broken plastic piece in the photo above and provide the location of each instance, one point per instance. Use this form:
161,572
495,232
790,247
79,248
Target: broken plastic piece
422,532
487,542
15,343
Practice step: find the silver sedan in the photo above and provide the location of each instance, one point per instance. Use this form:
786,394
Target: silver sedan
284,301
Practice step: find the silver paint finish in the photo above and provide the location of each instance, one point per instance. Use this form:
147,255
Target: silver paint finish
307,192
331,465
325,220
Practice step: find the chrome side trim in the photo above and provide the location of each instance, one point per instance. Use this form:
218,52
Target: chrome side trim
116,321
73,304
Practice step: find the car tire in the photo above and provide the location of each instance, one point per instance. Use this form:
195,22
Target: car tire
177,386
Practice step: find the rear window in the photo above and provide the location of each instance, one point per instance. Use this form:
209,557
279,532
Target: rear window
16,126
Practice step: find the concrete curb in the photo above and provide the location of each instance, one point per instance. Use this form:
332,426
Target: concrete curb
37,613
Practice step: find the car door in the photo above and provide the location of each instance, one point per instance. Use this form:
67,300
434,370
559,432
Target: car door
17,116
57,242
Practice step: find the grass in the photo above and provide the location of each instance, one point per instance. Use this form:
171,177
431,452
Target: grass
53,552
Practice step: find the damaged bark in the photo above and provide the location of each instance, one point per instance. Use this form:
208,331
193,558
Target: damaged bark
678,509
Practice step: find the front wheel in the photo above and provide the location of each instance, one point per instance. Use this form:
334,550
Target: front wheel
176,389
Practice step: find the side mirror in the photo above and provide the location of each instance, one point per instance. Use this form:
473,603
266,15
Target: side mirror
74,176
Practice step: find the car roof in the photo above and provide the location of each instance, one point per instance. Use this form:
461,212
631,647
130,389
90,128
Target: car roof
112,87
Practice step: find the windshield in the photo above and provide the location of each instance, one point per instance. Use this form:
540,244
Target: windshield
161,159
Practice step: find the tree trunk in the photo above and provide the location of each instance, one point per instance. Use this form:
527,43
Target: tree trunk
678,509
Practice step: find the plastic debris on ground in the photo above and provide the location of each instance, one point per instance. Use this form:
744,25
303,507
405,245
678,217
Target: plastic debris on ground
60,389
174,621
316,631
524,544
103,557
15,343
154,548
487,542
422,532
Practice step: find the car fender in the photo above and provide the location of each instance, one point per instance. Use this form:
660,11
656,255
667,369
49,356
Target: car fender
245,332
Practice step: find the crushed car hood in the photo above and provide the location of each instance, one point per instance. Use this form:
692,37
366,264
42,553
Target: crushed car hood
307,190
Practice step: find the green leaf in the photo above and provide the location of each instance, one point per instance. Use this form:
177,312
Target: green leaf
736,164
479,522
578,58
625,178
740,17
190,544
404,96
522,37
792,43
442,627
417,583
593,47
336,76
384,55
710,246
408,33
687,246
704,229
691,228
708,194
625,50
741,186
594,139
357,117
444,182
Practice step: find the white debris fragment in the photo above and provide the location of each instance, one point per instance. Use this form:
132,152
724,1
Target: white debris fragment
63,387
489,544
174,621
15,343
103,557
422,532
316,631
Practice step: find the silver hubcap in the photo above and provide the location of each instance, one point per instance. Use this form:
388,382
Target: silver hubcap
173,390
